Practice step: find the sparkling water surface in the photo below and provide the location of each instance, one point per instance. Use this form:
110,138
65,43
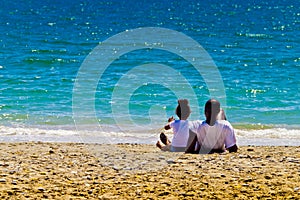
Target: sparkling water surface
254,44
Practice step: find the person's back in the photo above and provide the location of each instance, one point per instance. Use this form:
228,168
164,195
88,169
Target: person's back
215,138
181,133
212,135
180,129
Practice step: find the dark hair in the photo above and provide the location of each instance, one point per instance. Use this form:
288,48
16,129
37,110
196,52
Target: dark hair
212,108
183,109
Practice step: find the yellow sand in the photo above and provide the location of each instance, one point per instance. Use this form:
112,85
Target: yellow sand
133,171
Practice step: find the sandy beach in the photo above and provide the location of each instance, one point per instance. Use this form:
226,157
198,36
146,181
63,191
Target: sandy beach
130,171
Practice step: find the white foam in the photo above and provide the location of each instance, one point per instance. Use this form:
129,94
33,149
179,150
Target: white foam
5,130
272,136
280,133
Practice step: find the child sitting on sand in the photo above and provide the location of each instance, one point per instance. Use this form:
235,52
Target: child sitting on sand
180,129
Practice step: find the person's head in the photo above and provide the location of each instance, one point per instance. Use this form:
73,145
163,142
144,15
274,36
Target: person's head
211,110
183,109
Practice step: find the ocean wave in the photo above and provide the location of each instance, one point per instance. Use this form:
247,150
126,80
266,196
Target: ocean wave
6,130
111,134
279,133
254,35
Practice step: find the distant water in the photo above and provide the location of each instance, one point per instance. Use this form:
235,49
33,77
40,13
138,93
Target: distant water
254,44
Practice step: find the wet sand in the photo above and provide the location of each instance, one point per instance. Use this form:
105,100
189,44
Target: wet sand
36,170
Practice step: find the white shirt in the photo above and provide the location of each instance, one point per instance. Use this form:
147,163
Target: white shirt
216,136
181,132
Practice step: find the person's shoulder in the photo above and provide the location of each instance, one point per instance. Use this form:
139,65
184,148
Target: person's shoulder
172,123
194,125
178,122
195,122
225,124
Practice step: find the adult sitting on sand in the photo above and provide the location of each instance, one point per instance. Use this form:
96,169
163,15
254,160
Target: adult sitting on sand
212,135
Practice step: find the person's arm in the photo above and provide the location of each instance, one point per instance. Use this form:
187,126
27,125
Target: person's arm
167,127
171,119
230,139
232,149
191,143
221,115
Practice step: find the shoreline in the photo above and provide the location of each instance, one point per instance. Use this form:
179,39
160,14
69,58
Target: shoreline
129,171
260,137
77,139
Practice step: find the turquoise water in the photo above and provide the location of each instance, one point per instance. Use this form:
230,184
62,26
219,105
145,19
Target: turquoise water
254,44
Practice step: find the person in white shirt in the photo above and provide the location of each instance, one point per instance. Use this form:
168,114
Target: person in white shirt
212,135
180,129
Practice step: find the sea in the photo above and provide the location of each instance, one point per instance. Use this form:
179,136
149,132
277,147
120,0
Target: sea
112,71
